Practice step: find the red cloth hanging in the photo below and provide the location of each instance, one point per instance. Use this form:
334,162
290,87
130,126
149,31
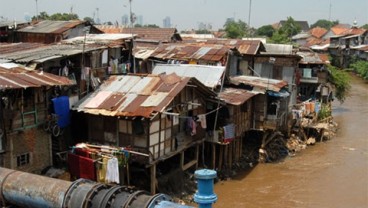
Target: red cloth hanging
73,164
87,168
82,152
81,167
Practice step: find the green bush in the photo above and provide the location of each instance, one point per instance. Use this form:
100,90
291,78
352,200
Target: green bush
324,112
361,68
340,79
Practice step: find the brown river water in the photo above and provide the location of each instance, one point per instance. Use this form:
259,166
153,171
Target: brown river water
332,174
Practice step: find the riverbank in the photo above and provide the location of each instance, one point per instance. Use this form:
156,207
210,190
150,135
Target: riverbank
333,173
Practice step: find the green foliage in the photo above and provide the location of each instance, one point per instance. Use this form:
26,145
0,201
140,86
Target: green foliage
56,16
235,29
290,27
324,112
204,31
149,25
266,30
89,19
361,68
152,26
283,35
324,24
341,80
279,38
365,26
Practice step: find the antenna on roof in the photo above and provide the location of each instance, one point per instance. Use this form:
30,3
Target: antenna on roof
329,12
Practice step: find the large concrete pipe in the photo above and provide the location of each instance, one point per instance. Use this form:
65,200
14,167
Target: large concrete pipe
33,191
29,190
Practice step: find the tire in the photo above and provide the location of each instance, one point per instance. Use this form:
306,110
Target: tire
56,131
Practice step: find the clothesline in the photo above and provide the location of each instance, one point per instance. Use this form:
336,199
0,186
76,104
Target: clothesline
115,149
176,114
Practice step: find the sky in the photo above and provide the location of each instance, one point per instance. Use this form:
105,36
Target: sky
187,14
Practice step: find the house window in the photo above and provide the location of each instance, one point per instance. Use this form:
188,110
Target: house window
23,159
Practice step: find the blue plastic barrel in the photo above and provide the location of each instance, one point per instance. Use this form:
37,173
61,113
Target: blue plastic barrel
61,109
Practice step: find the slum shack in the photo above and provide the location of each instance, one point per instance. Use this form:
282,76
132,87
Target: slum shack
155,115
25,105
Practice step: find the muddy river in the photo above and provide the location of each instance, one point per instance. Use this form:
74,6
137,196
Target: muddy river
332,174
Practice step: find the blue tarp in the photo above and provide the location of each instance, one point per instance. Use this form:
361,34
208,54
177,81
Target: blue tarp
282,93
61,109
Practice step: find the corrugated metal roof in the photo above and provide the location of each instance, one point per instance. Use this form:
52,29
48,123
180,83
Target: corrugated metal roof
98,38
48,26
210,76
263,84
133,95
43,53
13,77
190,52
6,48
278,49
310,58
235,96
161,34
7,23
245,47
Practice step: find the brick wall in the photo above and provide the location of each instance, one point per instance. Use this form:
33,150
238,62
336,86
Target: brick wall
34,141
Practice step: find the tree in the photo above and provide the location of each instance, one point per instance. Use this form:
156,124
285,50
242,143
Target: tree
203,31
279,38
365,26
56,16
290,28
324,24
90,20
41,16
152,26
266,30
235,29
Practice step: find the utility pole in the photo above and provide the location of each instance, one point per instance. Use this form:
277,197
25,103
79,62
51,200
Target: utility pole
131,32
37,10
249,13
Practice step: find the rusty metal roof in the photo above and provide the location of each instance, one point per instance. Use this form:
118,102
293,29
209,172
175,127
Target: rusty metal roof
210,76
136,95
6,48
13,76
48,26
235,96
259,83
186,52
162,34
36,52
245,47
318,32
310,58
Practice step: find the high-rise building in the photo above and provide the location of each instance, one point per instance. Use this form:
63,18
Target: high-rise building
125,20
139,20
167,22
204,26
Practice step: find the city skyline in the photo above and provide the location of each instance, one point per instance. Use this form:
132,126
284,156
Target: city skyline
190,13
